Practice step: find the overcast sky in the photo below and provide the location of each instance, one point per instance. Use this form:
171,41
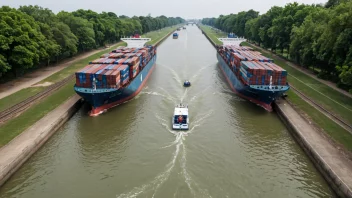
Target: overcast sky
188,9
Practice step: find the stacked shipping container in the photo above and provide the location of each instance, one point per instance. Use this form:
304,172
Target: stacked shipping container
252,67
115,69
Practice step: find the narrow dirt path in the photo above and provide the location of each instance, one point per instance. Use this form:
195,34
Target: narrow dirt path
327,83
34,77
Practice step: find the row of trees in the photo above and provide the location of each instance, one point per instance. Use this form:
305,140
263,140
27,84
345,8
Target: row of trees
32,36
313,36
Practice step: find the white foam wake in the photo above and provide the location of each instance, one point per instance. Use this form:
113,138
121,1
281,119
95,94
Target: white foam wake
159,94
162,177
155,184
184,95
193,78
199,94
174,73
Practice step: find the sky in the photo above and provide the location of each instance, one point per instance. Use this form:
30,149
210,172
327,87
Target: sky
187,9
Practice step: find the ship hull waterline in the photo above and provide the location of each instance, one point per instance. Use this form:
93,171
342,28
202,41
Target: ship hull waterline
263,98
104,99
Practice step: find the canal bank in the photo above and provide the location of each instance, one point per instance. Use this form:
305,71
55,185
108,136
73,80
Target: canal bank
233,147
331,162
335,168
22,147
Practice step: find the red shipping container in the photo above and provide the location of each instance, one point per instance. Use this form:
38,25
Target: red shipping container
261,69
115,77
108,76
100,75
121,61
116,55
85,68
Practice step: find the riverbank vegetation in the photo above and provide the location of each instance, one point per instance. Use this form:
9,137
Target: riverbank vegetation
32,36
311,88
77,65
15,126
316,37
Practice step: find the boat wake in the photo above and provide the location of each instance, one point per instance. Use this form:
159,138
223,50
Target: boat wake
194,77
199,94
184,95
229,95
181,153
155,184
168,97
174,73
168,94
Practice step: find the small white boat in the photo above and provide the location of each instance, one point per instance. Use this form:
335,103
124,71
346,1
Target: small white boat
180,119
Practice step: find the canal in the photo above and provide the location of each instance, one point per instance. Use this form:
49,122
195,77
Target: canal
233,149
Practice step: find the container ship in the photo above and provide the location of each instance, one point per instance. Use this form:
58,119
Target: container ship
251,75
116,77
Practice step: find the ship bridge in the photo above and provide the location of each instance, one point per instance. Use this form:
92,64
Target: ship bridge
232,41
135,42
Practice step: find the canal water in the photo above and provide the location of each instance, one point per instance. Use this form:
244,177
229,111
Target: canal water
233,149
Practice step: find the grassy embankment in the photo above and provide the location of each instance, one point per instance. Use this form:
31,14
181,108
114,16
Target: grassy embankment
324,95
213,34
30,91
14,127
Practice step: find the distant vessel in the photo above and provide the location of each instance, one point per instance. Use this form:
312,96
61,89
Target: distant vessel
118,76
180,119
175,36
249,74
187,83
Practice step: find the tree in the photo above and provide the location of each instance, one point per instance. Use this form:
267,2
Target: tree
345,76
62,41
304,38
332,3
33,36
22,43
82,29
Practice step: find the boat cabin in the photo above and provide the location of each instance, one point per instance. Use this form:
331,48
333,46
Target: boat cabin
180,119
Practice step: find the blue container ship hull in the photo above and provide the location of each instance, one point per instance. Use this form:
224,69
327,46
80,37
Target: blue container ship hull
261,95
103,99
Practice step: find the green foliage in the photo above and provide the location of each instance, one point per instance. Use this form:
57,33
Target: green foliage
22,44
80,27
233,22
311,35
32,36
150,24
332,3
62,42
345,75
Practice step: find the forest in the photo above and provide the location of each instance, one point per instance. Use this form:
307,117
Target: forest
317,37
32,36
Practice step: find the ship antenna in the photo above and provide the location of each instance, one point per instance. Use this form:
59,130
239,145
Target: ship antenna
271,81
94,84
